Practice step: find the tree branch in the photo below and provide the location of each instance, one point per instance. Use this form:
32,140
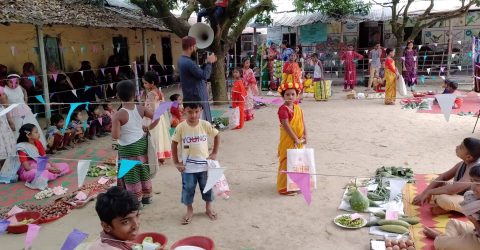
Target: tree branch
189,9
236,31
178,26
405,12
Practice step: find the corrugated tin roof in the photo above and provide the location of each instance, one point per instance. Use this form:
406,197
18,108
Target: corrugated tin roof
59,12
123,4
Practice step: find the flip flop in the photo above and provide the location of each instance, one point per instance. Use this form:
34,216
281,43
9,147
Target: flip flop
186,221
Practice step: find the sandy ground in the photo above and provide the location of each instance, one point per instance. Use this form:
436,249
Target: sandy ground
350,137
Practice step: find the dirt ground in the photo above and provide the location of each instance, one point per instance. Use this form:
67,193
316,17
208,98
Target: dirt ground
350,137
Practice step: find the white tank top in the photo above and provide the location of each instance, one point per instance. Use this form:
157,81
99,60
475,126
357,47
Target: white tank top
131,131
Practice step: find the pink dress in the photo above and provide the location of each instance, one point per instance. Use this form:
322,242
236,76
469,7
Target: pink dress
350,68
252,90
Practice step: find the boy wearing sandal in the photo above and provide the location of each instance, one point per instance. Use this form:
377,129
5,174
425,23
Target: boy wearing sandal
193,135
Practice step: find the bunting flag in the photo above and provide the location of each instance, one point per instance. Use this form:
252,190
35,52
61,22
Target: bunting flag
40,99
32,234
443,77
161,109
422,79
336,73
12,48
111,85
453,56
303,182
428,70
103,71
415,58
87,87
126,165
8,109
74,91
42,162
436,44
459,67
214,175
446,102
118,48
82,170
55,77
100,120
335,53
459,42
73,49
369,60
419,47
333,61
73,106
470,54
81,72
117,68
32,78
3,226
74,239
403,58
366,51
414,79
442,69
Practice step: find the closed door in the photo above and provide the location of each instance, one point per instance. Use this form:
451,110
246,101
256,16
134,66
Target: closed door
52,51
121,50
167,51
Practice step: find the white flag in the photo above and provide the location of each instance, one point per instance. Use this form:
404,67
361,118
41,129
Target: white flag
82,170
74,91
428,70
446,102
459,67
214,175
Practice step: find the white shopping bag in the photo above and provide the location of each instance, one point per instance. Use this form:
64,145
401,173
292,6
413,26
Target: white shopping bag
301,160
233,117
152,157
401,87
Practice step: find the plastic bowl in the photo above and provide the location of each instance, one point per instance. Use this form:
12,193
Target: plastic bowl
196,241
23,228
157,238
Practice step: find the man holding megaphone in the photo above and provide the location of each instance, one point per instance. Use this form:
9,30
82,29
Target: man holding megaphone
194,78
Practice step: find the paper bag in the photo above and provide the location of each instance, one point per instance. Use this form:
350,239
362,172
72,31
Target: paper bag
301,160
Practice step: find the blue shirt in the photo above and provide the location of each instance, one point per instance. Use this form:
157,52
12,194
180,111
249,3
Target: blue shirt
286,54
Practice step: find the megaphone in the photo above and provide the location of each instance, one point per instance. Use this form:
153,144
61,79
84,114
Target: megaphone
203,34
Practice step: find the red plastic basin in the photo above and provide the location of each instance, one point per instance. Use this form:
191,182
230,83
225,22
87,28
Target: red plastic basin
196,241
18,228
157,238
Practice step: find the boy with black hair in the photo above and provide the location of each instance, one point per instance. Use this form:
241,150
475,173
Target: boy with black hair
118,211
193,135
56,139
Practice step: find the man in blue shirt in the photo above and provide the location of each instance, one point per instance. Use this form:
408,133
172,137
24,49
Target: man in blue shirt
287,51
194,78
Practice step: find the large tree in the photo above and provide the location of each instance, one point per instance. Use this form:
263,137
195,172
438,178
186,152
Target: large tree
238,14
337,10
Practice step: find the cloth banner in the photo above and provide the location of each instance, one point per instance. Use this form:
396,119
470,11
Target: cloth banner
301,161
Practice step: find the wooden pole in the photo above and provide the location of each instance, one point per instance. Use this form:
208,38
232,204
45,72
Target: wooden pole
43,64
450,37
145,52
137,80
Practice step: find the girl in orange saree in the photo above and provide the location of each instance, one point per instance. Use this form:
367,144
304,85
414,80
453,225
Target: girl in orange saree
391,75
292,73
292,131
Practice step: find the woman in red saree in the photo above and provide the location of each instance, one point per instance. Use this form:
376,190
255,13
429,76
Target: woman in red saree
251,87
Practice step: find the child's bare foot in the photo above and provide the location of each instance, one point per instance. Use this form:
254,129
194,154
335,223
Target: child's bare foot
431,233
187,219
438,211
210,212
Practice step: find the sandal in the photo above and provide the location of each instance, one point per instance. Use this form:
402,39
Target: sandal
186,221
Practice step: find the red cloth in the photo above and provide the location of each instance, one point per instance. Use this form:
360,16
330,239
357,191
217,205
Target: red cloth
390,64
23,157
221,3
239,94
284,113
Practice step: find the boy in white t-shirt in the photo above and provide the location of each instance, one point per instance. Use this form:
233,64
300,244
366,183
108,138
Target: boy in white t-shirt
193,135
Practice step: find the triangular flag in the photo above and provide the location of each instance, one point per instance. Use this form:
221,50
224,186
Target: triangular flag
55,77
459,42
419,47
214,175
42,162
436,44
126,166
87,88
40,99
422,79
81,72
336,73
32,234
74,91
428,70
74,239
3,226
414,79
12,48
103,71
403,58
453,55
73,49
459,67
366,51
85,125
73,106
442,69
111,85
100,120
161,109
333,62
415,58
303,182
14,82
32,78
443,77
117,68
369,60
470,54
446,102
335,53
82,170
118,48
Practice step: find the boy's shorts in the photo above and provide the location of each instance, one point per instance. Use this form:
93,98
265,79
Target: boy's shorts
189,184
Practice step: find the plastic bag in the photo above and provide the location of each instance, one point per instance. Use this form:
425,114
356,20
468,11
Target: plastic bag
39,182
301,160
401,87
233,118
221,188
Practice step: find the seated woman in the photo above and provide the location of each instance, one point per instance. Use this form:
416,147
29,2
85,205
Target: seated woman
447,197
29,148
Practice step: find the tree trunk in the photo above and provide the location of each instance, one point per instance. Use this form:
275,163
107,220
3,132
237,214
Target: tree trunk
398,55
219,84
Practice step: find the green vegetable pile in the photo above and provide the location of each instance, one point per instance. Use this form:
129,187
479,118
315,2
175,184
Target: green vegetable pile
220,122
95,171
346,220
394,172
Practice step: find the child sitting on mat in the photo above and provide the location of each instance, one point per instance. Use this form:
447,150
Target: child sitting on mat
76,125
451,88
56,139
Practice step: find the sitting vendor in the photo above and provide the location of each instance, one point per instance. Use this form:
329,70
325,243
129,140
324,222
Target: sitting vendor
447,197
29,148
118,210
450,87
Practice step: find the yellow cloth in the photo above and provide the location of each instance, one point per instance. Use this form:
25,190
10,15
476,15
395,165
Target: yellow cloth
458,235
390,86
308,86
288,143
448,202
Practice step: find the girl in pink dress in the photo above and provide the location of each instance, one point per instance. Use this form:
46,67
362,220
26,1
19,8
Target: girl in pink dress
349,65
251,86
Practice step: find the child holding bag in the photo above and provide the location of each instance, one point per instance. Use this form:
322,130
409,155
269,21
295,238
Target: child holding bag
239,94
292,131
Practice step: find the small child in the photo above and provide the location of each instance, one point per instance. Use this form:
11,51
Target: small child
308,84
108,111
119,214
471,202
176,110
76,126
97,123
239,95
193,135
379,80
56,139
451,88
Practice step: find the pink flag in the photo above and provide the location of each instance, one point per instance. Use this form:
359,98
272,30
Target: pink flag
55,77
403,58
442,69
303,182
100,120
103,71
117,68
32,234
151,67
277,101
